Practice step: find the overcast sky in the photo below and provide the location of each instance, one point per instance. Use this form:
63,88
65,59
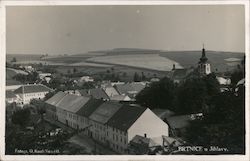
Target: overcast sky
78,29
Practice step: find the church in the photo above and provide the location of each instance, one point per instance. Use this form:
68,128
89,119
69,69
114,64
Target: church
204,67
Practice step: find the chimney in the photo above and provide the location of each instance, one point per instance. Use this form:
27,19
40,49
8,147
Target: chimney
173,67
145,135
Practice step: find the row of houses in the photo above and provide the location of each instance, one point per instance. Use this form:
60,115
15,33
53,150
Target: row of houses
109,122
118,91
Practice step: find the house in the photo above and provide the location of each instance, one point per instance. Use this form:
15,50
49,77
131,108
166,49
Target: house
97,93
111,123
86,79
110,91
132,120
12,85
67,108
130,89
178,75
29,68
75,92
143,145
120,98
43,75
99,119
10,97
52,103
31,91
72,110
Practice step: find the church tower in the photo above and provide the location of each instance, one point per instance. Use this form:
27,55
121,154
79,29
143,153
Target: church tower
204,67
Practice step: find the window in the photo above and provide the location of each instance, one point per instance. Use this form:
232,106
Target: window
116,138
121,139
113,136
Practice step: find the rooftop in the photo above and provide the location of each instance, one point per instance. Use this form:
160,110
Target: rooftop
89,107
125,117
105,111
32,88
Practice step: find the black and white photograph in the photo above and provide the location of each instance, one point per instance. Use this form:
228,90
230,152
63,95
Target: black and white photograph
126,80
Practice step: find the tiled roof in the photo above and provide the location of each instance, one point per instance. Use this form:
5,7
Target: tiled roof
32,88
125,117
104,112
72,103
110,91
89,107
10,94
97,93
129,87
56,98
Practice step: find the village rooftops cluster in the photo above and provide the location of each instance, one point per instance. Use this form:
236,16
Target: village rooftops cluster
118,115
112,123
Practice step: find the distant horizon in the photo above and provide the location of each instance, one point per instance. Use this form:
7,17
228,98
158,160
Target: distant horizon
97,51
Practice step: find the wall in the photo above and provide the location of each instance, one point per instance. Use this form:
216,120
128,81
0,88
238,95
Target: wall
150,124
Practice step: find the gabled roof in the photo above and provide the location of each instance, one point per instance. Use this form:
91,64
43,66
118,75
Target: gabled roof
10,94
125,117
120,98
72,103
89,107
56,98
129,87
105,111
32,88
110,91
96,93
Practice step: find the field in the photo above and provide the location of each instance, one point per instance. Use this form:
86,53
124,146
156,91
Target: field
128,61
148,61
218,60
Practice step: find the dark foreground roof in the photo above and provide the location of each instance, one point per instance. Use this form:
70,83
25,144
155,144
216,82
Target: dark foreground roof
33,88
105,111
125,117
89,107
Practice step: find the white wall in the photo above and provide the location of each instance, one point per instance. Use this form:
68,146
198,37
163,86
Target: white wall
150,124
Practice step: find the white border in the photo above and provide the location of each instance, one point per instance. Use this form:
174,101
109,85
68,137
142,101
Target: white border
5,3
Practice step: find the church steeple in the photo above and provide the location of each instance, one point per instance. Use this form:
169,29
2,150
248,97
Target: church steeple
203,65
203,58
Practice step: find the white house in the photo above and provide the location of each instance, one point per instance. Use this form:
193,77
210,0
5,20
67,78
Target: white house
86,79
131,120
32,91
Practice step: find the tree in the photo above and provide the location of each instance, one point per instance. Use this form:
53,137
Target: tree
194,94
158,95
137,78
74,70
13,60
21,117
191,96
223,123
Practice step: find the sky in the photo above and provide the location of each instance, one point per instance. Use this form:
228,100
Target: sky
78,29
